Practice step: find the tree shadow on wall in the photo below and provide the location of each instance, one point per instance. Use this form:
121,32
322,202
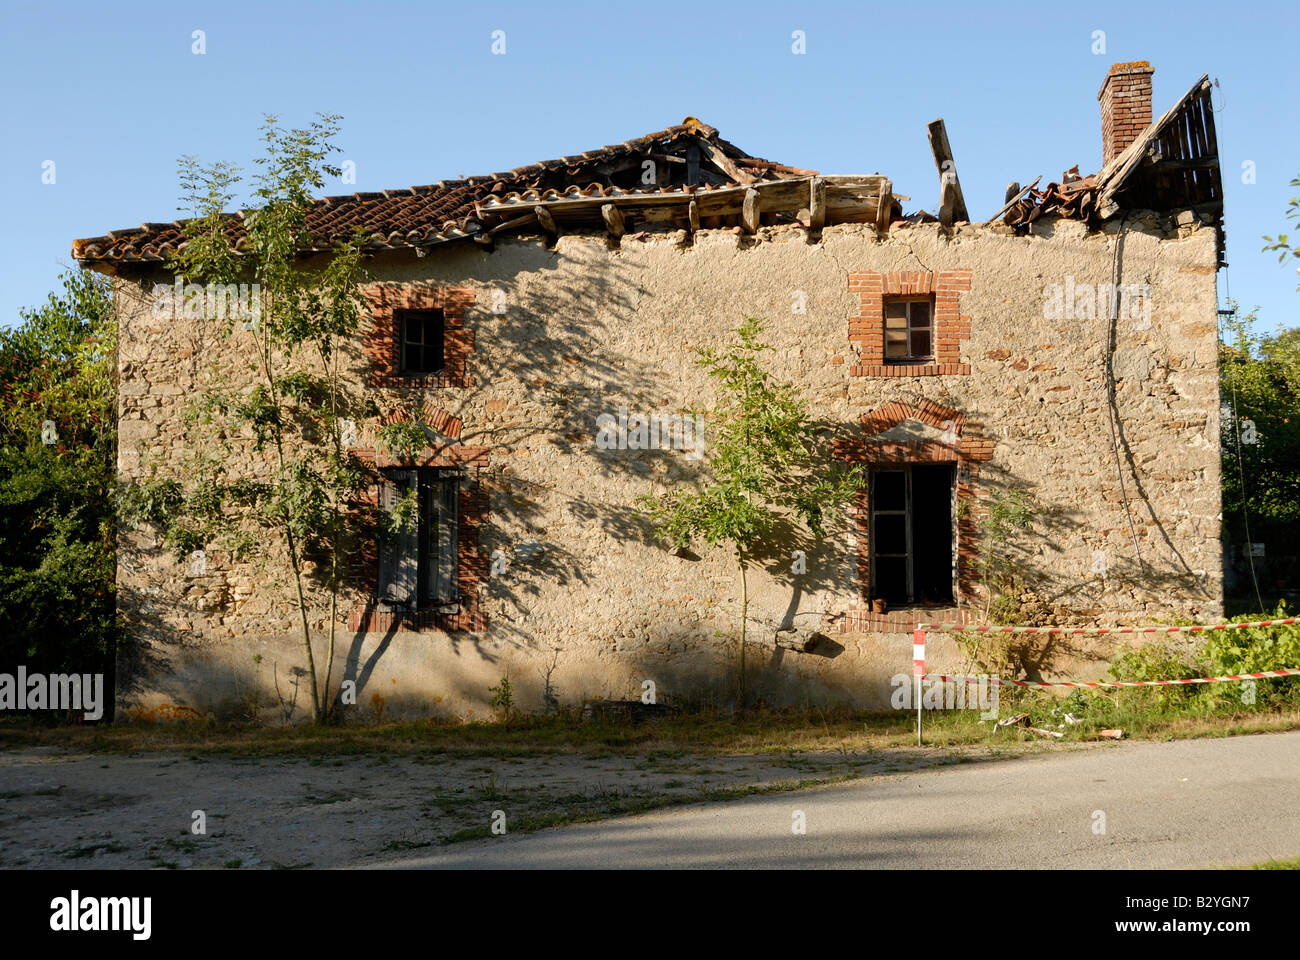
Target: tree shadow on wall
570,346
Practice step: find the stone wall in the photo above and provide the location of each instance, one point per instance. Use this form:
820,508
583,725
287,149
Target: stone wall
589,604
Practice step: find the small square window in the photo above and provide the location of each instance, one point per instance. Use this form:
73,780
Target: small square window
909,330
421,345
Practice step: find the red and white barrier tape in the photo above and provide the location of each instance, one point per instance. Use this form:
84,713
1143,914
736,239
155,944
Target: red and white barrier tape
1284,672
986,628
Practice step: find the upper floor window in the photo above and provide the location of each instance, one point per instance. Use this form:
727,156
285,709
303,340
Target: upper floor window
423,334
909,329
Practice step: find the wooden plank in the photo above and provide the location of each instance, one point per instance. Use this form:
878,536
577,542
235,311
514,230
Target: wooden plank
1201,179
547,221
1199,146
947,168
1205,180
847,201
948,201
885,208
816,203
1191,163
613,218
1207,113
866,179
507,225
749,211
846,194
862,212
724,163
1011,201
774,195
661,214
693,216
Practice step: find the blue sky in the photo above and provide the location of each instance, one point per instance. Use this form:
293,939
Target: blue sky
113,94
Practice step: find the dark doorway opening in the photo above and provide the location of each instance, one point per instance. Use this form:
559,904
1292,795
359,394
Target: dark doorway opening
911,534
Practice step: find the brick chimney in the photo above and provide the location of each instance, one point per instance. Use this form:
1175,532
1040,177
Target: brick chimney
1125,106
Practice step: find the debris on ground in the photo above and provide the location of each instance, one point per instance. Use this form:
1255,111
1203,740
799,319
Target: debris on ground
1044,733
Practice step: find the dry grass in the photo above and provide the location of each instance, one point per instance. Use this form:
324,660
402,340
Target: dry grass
760,733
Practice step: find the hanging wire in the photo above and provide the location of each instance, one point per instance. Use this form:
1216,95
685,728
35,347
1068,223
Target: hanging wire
1113,405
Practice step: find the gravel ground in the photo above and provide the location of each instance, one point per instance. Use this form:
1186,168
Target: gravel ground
111,811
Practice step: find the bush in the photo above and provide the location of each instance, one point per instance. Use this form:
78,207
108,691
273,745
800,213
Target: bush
57,525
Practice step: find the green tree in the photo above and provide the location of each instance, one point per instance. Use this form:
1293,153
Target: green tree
762,467
1259,388
298,497
1287,249
1260,440
57,461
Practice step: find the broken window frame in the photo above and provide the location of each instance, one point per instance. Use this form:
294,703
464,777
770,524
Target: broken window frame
417,568
910,329
432,341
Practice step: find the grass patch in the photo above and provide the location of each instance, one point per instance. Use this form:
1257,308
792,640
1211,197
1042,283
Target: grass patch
1292,864
665,743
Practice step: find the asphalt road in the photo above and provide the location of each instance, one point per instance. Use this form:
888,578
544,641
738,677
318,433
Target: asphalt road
1191,803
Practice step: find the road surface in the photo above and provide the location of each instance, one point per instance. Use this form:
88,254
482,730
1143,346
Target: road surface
1191,803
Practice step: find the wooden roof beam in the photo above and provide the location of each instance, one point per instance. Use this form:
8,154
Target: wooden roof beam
613,218
952,205
724,163
816,203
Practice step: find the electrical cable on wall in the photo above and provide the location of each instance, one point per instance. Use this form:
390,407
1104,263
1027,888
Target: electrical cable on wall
1112,404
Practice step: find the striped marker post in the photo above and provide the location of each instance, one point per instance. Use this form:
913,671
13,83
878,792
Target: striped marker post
918,671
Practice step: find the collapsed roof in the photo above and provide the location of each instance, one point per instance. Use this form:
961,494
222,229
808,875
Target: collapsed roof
1172,165
686,174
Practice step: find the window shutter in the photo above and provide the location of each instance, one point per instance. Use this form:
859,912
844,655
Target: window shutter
440,533
399,555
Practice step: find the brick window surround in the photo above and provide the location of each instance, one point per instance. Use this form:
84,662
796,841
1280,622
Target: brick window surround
967,454
382,341
951,327
472,515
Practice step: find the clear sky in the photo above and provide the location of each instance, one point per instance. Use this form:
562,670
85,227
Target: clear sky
113,93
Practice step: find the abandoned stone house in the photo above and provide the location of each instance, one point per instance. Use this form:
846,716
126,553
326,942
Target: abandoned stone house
538,321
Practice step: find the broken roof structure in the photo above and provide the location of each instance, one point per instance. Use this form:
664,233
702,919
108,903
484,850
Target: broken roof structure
1173,164
688,176
686,173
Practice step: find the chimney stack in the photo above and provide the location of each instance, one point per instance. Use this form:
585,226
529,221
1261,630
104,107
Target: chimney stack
1125,106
